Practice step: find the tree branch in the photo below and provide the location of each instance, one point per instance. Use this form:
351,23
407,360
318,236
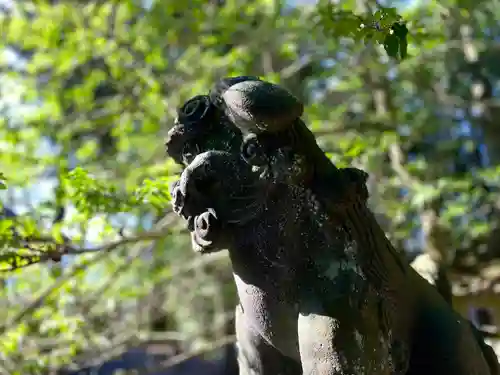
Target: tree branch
101,251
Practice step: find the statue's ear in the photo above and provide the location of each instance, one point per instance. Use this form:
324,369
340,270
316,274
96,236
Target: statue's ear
221,86
358,178
357,175
252,150
261,107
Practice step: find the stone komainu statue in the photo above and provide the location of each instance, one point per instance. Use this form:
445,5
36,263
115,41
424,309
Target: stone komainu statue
321,289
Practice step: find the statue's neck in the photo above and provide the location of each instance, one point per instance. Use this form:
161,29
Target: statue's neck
324,174
378,256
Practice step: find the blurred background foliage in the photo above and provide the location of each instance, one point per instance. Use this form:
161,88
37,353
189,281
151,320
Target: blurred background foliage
92,260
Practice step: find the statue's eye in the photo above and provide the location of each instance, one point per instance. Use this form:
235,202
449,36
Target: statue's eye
252,152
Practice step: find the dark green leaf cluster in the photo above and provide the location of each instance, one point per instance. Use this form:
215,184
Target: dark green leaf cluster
384,27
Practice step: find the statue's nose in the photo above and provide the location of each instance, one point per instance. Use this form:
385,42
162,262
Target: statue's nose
177,198
174,143
181,146
169,139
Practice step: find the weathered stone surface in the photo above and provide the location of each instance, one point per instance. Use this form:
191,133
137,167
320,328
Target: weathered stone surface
318,281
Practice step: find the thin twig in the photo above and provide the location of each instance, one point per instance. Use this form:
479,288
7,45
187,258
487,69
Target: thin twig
217,344
101,251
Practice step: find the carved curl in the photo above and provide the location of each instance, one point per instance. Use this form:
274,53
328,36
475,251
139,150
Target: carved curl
207,231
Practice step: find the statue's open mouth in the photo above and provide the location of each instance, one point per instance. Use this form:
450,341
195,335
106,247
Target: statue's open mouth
218,192
202,223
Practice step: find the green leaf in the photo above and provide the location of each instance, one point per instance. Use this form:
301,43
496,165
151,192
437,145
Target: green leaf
401,32
424,194
391,45
3,185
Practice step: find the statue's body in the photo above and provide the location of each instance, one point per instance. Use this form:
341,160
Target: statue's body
321,289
